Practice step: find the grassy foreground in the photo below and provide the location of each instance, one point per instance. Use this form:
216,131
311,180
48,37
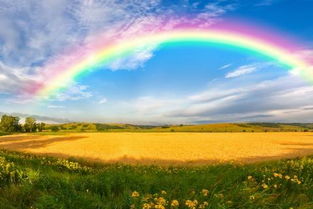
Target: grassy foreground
29,181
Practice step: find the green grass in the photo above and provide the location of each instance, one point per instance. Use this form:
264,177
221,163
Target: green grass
29,181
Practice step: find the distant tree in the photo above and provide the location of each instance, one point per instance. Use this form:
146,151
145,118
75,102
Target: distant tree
41,126
10,123
73,127
30,124
54,128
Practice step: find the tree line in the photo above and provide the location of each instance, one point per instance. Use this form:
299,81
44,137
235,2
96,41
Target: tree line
11,124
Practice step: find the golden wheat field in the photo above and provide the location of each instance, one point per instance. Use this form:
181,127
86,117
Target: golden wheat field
166,147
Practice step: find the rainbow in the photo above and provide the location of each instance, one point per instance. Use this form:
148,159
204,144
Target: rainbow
274,47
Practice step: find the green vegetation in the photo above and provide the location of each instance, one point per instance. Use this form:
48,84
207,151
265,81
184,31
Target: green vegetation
11,124
28,181
219,127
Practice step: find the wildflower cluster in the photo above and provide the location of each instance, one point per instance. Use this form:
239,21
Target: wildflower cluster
198,200
69,165
9,173
276,181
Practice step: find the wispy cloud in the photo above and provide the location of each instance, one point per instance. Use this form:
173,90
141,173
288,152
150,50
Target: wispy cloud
55,107
248,69
242,70
14,78
103,101
285,98
74,92
133,61
225,66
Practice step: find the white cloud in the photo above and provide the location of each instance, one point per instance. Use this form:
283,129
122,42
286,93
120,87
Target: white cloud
281,99
225,66
250,68
56,107
133,61
103,101
74,92
242,70
15,78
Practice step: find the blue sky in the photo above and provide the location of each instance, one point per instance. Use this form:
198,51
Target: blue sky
187,83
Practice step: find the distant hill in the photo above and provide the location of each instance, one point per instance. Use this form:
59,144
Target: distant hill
219,127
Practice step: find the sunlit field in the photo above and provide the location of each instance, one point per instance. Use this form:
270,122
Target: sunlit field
166,148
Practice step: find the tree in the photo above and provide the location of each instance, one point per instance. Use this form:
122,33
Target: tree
30,124
41,126
10,123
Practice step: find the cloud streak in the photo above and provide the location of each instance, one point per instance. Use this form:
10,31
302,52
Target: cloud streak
285,98
242,70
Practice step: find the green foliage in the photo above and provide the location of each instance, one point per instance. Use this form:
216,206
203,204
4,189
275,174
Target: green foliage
30,124
29,181
41,126
9,173
54,128
10,123
106,127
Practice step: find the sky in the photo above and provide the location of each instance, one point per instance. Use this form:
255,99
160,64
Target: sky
185,83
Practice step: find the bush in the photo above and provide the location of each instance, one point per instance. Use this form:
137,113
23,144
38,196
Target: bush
54,128
8,172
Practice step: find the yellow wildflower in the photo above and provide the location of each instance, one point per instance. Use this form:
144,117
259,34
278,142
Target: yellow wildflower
205,192
174,203
191,204
265,186
287,177
159,207
163,192
203,205
146,206
250,177
135,194
160,201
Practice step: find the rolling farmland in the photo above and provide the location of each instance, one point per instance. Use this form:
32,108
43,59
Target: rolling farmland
168,148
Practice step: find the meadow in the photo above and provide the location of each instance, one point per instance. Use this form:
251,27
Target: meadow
135,170
31,181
